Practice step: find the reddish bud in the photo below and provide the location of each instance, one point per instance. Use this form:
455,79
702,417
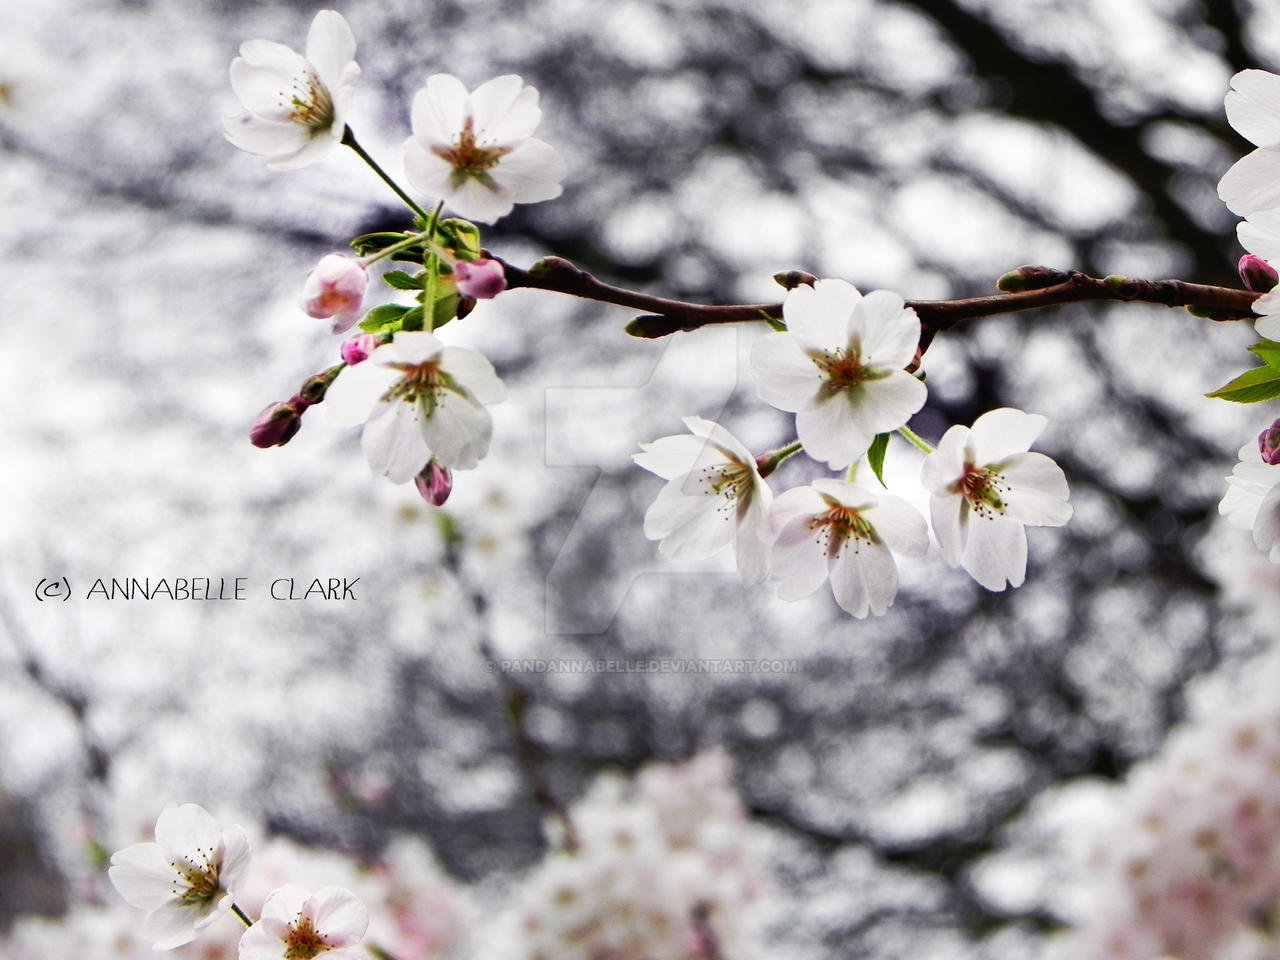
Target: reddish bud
434,483
276,425
481,279
1256,274
335,288
357,349
1269,444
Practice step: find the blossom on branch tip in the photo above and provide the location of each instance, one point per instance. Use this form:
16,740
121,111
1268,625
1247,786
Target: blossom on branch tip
986,488
481,279
184,879
294,104
839,367
418,399
297,923
1252,501
335,288
476,151
847,533
714,496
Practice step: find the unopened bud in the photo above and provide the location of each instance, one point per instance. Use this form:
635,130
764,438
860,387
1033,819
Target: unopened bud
434,483
276,425
357,349
790,279
335,288
1269,444
1256,274
481,279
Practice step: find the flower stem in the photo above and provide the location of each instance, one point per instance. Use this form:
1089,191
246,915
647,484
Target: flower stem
852,472
433,272
349,139
916,440
417,239
244,917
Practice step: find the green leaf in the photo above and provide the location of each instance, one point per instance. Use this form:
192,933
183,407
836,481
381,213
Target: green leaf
368,243
412,319
875,455
401,280
1268,351
445,309
1252,386
384,318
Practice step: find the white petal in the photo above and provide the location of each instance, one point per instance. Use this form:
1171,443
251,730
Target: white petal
1260,234
531,172
1253,107
949,516
676,455
265,138
331,46
942,468
726,441
999,434
314,149
1268,326
1266,526
236,852
899,525
338,915
350,399
786,377
887,404
504,111
393,441
439,110
678,504
752,547
888,332
995,550
473,371
834,432
258,943
1252,184
818,316
184,830
705,530
427,172
799,559
864,578
457,431
283,904
411,346
1037,491
263,78
793,503
171,925
142,875
487,202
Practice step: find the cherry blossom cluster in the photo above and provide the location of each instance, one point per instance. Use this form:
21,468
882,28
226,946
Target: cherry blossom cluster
1187,865
841,366
664,866
422,402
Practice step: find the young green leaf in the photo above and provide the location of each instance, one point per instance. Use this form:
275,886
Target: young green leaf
1268,351
383,318
1252,386
401,280
875,456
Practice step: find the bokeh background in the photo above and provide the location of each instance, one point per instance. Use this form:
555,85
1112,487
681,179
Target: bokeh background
917,781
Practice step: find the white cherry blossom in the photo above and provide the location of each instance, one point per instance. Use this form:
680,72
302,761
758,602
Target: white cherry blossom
847,533
476,151
839,367
986,488
297,923
714,497
1252,501
417,399
1252,184
184,879
295,105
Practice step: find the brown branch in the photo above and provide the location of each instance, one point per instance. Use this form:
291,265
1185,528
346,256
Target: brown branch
1027,288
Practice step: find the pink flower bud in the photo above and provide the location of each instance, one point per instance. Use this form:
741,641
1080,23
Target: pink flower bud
1257,275
482,279
1269,444
358,348
276,425
435,483
335,288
